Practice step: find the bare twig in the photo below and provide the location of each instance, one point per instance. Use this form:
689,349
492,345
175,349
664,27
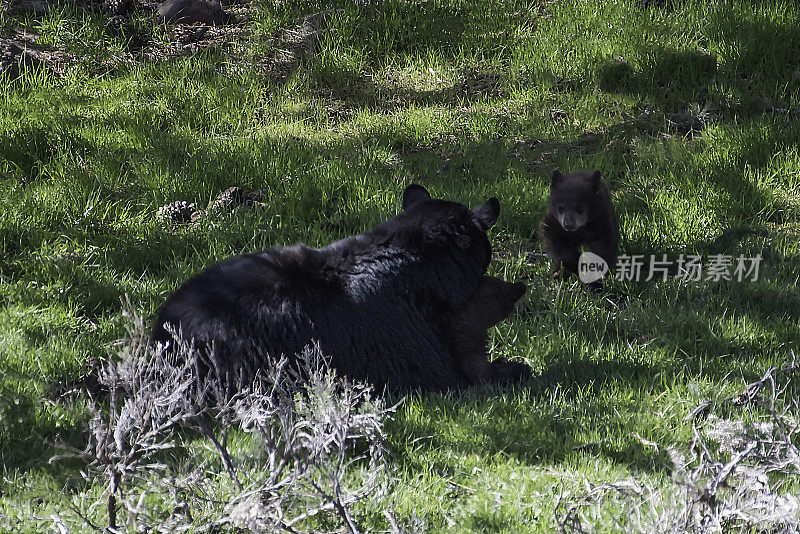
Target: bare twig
722,488
751,391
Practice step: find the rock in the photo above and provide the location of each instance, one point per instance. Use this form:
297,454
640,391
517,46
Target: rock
177,212
192,11
225,204
234,197
117,8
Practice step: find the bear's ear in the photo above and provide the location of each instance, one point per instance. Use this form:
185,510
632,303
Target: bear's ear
595,180
557,176
487,212
414,194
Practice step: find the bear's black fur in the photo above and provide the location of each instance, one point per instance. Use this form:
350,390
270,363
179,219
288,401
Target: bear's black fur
377,303
491,302
580,214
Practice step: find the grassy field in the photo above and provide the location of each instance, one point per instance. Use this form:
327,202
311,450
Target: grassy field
690,109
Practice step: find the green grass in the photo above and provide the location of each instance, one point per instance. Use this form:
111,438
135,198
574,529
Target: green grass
690,110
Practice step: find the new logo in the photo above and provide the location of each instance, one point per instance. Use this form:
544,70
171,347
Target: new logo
591,267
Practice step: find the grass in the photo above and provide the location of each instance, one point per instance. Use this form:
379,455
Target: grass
689,109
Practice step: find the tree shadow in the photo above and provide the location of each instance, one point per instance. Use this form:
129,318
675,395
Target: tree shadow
539,422
754,61
671,76
28,440
399,28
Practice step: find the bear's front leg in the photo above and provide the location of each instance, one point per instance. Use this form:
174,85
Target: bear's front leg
563,261
606,249
563,255
504,371
476,367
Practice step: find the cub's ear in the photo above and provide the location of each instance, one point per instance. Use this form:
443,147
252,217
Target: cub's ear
595,179
557,176
414,194
487,213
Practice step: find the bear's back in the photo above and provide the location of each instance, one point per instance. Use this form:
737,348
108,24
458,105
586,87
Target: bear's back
356,302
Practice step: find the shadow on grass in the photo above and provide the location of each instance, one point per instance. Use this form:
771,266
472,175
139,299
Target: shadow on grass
88,284
675,81
27,435
710,330
755,63
545,422
399,28
670,76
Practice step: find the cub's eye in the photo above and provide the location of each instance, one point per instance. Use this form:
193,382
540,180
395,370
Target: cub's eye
561,209
579,209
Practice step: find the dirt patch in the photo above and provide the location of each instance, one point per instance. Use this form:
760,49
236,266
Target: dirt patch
477,83
292,44
21,49
148,43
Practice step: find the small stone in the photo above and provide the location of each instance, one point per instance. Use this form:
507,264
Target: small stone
177,212
117,8
234,197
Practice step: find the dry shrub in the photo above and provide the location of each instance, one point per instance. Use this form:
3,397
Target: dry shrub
318,443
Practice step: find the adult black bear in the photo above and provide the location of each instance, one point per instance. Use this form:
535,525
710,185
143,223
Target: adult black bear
378,303
579,213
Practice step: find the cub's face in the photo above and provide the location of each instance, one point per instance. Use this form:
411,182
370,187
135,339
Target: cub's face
572,198
571,215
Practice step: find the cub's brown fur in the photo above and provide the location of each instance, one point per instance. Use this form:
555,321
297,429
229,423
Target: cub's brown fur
580,214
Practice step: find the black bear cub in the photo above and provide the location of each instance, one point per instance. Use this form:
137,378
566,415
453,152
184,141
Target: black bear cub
580,214
491,302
